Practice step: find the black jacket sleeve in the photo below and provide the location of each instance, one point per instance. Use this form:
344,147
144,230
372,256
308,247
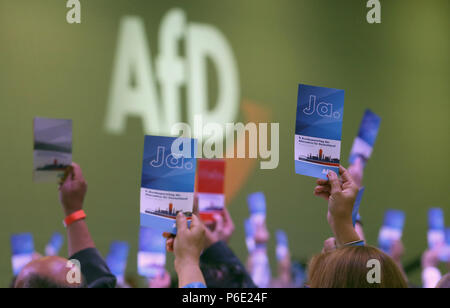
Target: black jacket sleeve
220,254
94,269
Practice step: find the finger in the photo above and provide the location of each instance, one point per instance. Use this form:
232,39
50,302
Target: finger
169,244
196,222
181,222
345,175
334,182
226,216
324,195
167,235
77,173
321,188
219,222
197,227
67,172
227,220
195,207
209,233
209,224
322,182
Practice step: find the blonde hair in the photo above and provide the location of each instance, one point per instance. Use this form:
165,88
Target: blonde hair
347,268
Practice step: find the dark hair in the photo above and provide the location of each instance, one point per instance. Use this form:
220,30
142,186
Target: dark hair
225,275
41,282
347,268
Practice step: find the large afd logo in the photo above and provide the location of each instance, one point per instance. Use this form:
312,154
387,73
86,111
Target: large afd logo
135,79
156,90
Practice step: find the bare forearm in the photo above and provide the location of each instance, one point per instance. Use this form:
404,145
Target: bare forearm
344,232
189,273
79,237
359,229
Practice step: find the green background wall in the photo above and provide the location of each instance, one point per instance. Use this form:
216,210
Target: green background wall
399,68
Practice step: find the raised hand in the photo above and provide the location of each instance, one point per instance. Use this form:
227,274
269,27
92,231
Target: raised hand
73,190
221,230
341,196
187,245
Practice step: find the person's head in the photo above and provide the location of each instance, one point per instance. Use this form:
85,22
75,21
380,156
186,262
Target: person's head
47,272
349,267
224,275
444,283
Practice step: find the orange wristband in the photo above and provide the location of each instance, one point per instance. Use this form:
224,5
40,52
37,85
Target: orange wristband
76,216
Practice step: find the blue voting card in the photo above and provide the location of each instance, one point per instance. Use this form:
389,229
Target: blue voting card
445,250
364,142
257,208
54,245
436,228
22,250
318,130
357,205
392,229
282,248
117,259
168,180
257,203
249,235
299,275
152,253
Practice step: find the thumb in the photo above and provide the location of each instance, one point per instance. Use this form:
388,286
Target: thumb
334,182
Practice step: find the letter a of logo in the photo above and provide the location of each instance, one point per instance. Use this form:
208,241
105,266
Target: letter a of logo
374,274
73,15
74,274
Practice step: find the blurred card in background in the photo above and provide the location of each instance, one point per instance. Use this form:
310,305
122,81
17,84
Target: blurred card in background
54,245
260,269
117,259
436,228
210,188
356,206
249,236
364,142
152,253
282,248
445,251
318,130
392,229
299,275
257,207
168,181
22,248
52,148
